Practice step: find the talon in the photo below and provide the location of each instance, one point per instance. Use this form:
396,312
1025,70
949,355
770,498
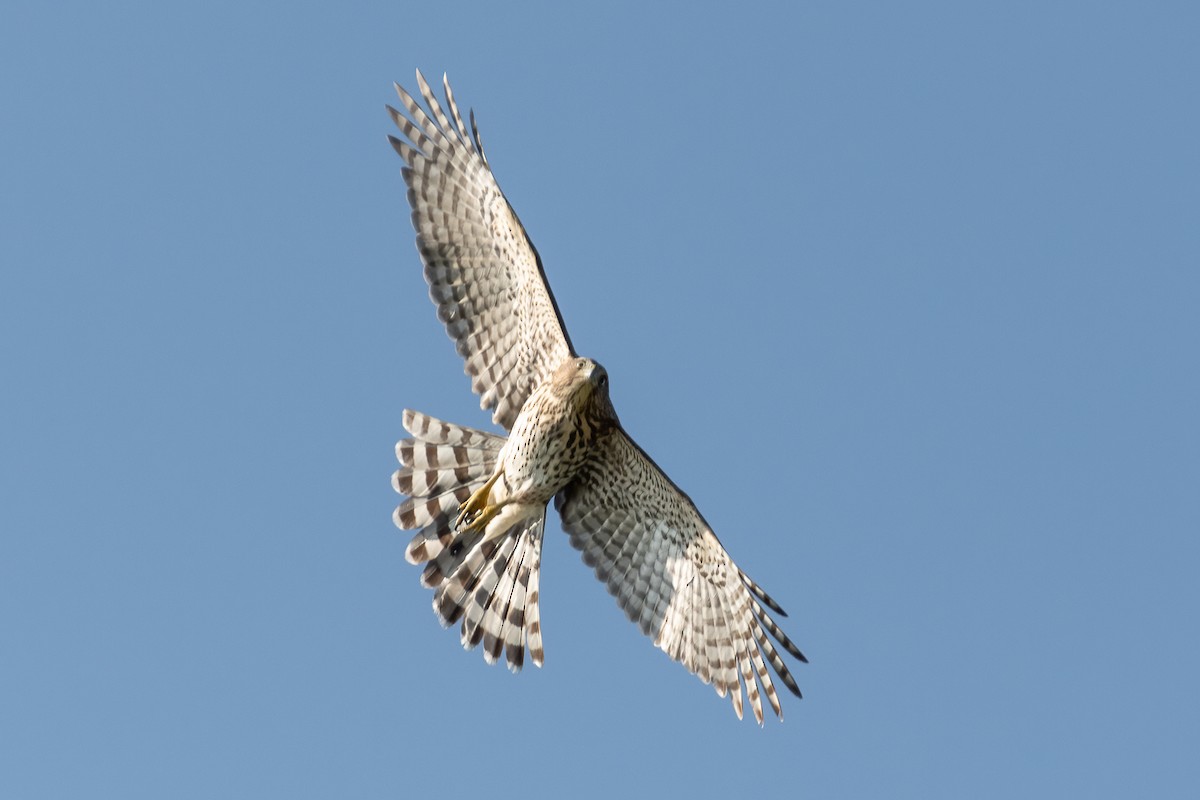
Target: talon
476,513
480,520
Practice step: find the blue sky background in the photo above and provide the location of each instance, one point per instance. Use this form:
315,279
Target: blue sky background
904,294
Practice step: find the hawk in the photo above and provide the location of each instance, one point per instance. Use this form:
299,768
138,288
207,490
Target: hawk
477,500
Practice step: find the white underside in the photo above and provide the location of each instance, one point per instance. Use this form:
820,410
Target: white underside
511,515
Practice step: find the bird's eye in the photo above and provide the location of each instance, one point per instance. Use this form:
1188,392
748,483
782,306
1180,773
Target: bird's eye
603,381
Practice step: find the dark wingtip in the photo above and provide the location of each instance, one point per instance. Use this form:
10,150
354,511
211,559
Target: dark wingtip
789,645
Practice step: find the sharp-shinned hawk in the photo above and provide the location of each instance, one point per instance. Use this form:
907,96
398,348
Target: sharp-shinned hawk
478,499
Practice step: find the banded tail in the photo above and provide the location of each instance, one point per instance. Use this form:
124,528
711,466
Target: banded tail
492,586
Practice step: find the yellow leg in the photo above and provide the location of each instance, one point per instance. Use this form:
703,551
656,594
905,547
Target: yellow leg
476,513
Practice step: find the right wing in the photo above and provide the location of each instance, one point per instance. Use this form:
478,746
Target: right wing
484,274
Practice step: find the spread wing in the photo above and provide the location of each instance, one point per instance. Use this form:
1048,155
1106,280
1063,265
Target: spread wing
484,274
663,563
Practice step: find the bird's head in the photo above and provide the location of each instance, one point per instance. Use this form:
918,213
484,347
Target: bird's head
585,383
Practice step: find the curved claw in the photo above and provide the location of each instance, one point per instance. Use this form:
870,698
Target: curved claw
476,512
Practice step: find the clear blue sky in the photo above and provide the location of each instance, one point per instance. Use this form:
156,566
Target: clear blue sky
905,295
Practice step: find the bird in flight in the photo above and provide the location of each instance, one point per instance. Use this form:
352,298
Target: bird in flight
477,500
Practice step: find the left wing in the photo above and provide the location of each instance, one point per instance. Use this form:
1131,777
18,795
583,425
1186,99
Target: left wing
647,541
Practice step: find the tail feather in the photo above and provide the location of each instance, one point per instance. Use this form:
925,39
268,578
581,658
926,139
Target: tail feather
418,482
503,621
416,512
491,586
495,619
447,562
430,429
450,600
418,455
533,614
482,590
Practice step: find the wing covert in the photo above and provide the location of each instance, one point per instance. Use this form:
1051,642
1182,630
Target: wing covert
649,544
484,275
